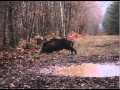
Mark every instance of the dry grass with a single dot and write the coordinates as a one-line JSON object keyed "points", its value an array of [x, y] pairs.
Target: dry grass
{"points": [[100, 45]]}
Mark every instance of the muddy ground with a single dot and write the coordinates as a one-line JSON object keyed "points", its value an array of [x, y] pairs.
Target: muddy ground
{"points": [[23, 69]]}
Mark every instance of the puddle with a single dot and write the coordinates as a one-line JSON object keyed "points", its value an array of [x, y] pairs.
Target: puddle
{"points": [[89, 70]]}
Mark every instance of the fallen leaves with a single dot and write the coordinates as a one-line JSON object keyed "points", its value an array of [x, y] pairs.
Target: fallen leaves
{"points": [[20, 68]]}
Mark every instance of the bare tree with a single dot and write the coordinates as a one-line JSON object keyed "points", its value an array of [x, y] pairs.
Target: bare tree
{"points": [[26, 19]]}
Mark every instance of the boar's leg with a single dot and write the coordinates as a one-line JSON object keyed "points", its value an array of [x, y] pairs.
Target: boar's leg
{"points": [[71, 49]]}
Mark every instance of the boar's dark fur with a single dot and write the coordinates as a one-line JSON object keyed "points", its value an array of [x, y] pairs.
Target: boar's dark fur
{"points": [[57, 45]]}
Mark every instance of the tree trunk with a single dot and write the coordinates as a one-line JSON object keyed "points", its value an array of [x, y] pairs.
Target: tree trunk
{"points": [[10, 26], [62, 18]]}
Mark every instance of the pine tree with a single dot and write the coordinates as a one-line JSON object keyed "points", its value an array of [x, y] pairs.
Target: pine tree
{"points": [[111, 20]]}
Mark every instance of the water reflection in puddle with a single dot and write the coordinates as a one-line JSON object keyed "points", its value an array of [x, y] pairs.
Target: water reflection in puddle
{"points": [[90, 70]]}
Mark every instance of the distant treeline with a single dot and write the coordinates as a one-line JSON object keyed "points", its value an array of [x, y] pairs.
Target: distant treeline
{"points": [[111, 20]]}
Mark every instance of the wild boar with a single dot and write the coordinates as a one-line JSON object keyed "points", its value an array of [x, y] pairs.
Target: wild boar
{"points": [[57, 45]]}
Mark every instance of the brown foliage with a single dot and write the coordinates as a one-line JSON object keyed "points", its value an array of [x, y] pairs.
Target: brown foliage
{"points": [[32, 43], [51, 35], [73, 36], [39, 37]]}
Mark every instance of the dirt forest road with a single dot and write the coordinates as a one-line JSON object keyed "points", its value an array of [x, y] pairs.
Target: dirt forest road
{"points": [[29, 69]]}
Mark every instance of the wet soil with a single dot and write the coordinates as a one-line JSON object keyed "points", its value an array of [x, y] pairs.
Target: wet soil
{"points": [[30, 70], [28, 74]]}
